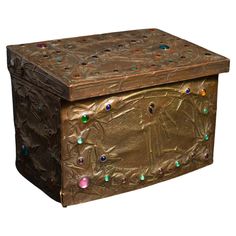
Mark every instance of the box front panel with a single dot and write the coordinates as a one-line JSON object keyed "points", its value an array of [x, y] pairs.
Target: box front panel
{"points": [[119, 143]]}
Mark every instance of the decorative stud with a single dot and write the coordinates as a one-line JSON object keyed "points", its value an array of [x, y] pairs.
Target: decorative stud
{"points": [[177, 164], [123, 180], [206, 137], [84, 182], [24, 151], [187, 90], [134, 68], [108, 107], [80, 140], [103, 158], [206, 156], [59, 59], [85, 118], [80, 161], [202, 92], [107, 178], [160, 171], [205, 111], [41, 45], [142, 177], [164, 46]]}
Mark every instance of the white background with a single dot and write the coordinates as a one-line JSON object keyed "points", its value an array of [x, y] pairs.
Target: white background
{"points": [[200, 203]]}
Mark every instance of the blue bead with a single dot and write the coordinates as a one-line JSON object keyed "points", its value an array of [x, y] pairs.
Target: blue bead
{"points": [[164, 46], [103, 158], [24, 151], [108, 107], [187, 91]]}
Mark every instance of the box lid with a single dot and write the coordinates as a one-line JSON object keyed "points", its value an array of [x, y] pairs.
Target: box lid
{"points": [[90, 66]]}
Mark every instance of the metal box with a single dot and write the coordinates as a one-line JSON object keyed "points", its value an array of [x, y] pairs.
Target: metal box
{"points": [[105, 114]]}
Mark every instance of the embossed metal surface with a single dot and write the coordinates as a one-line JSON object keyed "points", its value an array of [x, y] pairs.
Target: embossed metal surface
{"points": [[38, 148], [90, 66], [157, 133], [104, 114]]}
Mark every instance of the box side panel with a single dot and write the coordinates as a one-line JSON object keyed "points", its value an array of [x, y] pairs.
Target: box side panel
{"points": [[37, 125], [119, 143]]}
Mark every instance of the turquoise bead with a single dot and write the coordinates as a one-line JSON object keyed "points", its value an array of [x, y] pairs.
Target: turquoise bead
{"points": [[142, 177], [24, 151], [106, 178], [164, 46], [80, 140], [177, 164]]}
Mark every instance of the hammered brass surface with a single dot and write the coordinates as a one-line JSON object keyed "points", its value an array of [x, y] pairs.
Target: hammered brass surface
{"points": [[105, 114], [157, 133], [96, 65]]}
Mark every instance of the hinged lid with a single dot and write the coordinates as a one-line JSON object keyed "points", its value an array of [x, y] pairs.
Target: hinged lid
{"points": [[90, 66]]}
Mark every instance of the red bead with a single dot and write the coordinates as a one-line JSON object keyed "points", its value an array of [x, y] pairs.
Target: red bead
{"points": [[41, 45]]}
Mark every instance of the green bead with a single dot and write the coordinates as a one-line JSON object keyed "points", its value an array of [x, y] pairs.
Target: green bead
{"points": [[205, 111], [59, 59], [177, 164], [206, 137], [106, 178], [84, 118], [142, 177], [80, 140], [134, 68]]}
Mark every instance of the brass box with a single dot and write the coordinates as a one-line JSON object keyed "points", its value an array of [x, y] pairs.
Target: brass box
{"points": [[105, 114]]}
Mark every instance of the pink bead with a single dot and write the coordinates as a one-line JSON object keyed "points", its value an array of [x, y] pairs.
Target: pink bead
{"points": [[84, 182]]}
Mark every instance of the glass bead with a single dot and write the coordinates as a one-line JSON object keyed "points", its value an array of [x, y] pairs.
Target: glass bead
{"points": [[187, 91], [59, 59], [103, 158], [202, 92], [205, 111], [80, 161], [177, 164], [106, 178], [142, 177], [84, 182], [41, 45], [84, 118], [134, 68], [80, 140], [108, 107], [164, 46], [24, 151], [206, 137]]}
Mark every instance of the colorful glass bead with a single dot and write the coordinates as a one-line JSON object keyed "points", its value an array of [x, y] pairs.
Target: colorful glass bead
{"points": [[106, 178], [41, 45], [59, 59], [206, 137], [164, 46], [84, 182], [108, 107], [202, 92], [205, 111], [134, 68], [80, 161], [84, 118], [142, 177], [206, 156], [177, 164], [80, 140], [187, 90], [24, 151], [103, 158]]}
